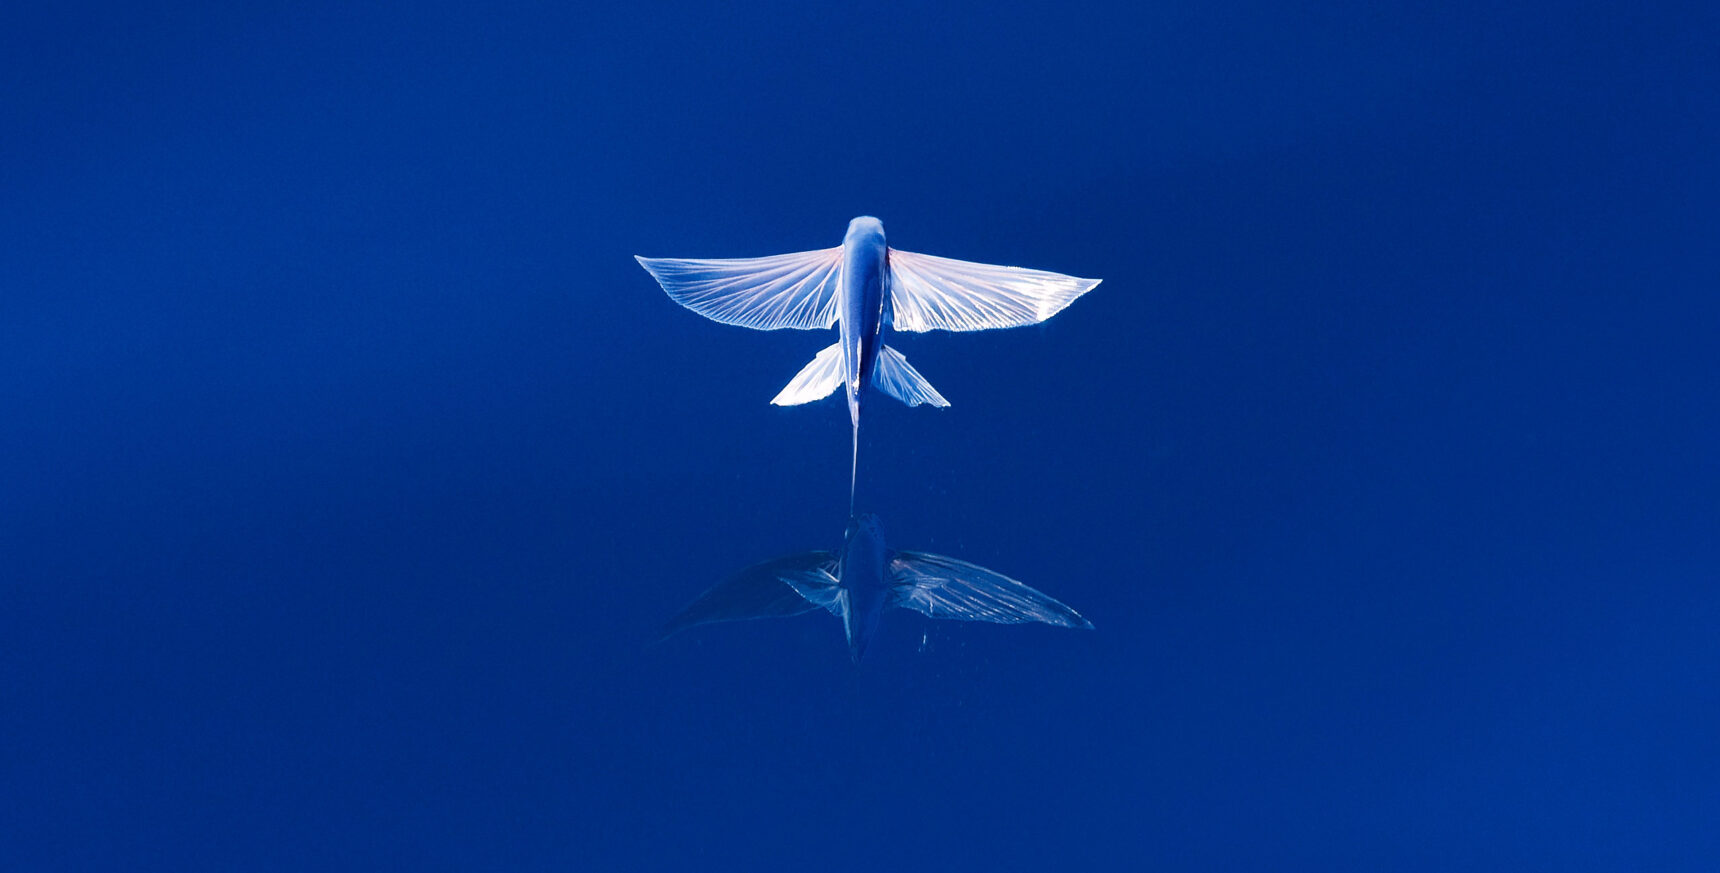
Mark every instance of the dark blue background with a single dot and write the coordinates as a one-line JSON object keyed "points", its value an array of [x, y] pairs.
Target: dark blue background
{"points": [[348, 463]]}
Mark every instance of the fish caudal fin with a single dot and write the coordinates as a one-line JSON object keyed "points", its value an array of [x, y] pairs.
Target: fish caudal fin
{"points": [[815, 381], [900, 380], [768, 590], [941, 587]]}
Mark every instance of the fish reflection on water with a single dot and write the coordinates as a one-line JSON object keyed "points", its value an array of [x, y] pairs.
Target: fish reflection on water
{"points": [[865, 577]]}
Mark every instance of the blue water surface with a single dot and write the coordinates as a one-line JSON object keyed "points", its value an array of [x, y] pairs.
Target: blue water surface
{"points": [[349, 464]]}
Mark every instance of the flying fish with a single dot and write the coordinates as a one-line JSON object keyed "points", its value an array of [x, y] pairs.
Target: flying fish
{"points": [[861, 287]]}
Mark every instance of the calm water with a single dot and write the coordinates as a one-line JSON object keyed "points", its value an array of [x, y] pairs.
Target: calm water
{"points": [[349, 463]]}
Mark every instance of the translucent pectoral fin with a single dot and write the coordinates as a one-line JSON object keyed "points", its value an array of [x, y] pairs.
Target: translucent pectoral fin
{"points": [[942, 587], [815, 381], [933, 293], [767, 590], [822, 591], [898, 379], [796, 290]]}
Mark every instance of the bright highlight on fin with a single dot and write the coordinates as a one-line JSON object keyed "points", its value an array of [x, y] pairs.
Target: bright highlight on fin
{"points": [[896, 378], [782, 291], [932, 293], [927, 292], [815, 381]]}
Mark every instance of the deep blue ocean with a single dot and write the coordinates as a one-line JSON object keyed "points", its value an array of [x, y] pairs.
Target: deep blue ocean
{"points": [[349, 464]]}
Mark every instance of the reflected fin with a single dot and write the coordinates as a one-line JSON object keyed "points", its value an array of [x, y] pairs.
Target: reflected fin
{"points": [[766, 590], [781, 291], [815, 381], [942, 587], [898, 379], [825, 592], [933, 293]]}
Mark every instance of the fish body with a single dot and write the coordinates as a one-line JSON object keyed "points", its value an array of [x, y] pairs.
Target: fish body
{"points": [[861, 285], [863, 568]]}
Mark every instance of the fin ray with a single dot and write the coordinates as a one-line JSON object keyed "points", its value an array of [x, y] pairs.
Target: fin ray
{"points": [[942, 587], [823, 592], [796, 290], [897, 378], [933, 293], [815, 381]]}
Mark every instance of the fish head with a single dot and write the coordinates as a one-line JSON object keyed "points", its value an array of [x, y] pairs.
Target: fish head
{"points": [[864, 229]]}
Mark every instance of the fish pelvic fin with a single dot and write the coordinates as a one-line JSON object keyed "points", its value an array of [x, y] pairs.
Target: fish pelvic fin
{"points": [[897, 378], [815, 381]]}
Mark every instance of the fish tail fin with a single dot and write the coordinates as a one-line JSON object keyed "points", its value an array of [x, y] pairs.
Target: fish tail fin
{"points": [[815, 381], [897, 378]]}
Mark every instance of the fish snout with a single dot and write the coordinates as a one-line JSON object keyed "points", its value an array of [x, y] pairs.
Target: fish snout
{"points": [[864, 227]]}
